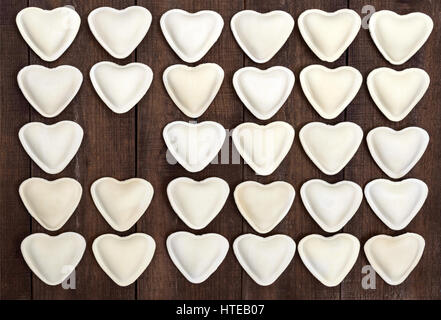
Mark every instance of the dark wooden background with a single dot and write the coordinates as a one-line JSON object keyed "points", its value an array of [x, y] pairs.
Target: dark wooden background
{"points": [[131, 145]]}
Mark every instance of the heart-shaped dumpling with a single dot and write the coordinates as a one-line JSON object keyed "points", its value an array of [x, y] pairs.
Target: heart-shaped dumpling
{"points": [[51, 203], [263, 147], [194, 145], [48, 32], [119, 32], [329, 259], [397, 152], [396, 203], [263, 92], [197, 203], [49, 91], [121, 87], [51, 147], [394, 258], [53, 258], [264, 206], [192, 89], [330, 91], [191, 35], [331, 147], [197, 256], [121, 203], [399, 37], [261, 35], [397, 92], [124, 259], [329, 34], [264, 259], [331, 205]]}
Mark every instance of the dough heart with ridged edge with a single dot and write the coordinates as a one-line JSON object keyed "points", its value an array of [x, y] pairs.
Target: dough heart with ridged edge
{"points": [[194, 145], [53, 258], [48, 32], [193, 89], [394, 258], [263, 92], [396, 93], [121, 87], [263, 147], [119, 32], [397, 152], [329, 259], [399, 37], [124, 259], [264, 206], [331, 205], [51, 147], [197, 203], [191, 35], [330, 91], [121, 203], [331, 147], [261, 35], [51, 203], [197, 256], [396, 203], [264, 259], [48, 90], [329, 34]]}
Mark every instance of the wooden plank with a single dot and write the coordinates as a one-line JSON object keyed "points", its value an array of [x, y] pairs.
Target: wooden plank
{"points": [[15, 280], [424, 282], [162, 280], [108, 149], [296, 282], [131, 144]]}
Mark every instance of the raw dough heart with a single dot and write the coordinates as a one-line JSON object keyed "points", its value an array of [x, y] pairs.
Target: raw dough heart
{"points": [[397, 92], [119, 32], [191, 35], [48, 32], [399, 37], [330, 91], [49, 91], [264, 206], [124, 259], [394, 258], [331, 147], [197, 257], [53, 258], [329, 34], [193, 89], [261, 35], [396, 203], [121, 87], [264, 259], [397, 152], [331, 205], [329, 259], [194, 145], [197, 203], [51, 203], [263, 147], [121, 203], [51, 147], [263, 92]]}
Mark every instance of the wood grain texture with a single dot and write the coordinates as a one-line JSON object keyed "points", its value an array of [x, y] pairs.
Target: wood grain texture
{"points": [[297, 282], [131, 144], [155, 111], [15, 277], [108, 149], [424, 282]]}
